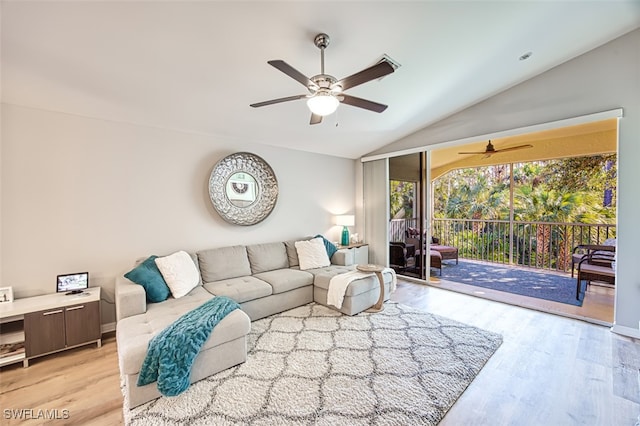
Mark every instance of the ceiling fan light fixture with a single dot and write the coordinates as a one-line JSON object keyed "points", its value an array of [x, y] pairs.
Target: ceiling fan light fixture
{"points": [[323, 103], [325, 91]]}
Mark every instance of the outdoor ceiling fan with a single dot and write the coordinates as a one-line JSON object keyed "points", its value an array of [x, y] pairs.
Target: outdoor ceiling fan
{"points": [[490, 149], [325, 91]]}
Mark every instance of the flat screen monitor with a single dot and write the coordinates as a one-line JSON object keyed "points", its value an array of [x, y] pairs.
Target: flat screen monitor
{"points": [[72, 283]]}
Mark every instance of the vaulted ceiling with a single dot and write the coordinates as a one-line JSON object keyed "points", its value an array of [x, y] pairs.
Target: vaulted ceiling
{"points": [[196, 66]]}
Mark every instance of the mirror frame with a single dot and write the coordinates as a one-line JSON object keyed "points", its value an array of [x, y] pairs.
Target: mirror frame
{"points": [[266, 182]]}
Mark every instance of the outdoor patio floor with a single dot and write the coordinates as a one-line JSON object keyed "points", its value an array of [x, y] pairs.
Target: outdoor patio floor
{"points": [[597, 304]]}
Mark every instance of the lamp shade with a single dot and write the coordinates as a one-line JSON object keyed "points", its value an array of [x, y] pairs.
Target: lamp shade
{"points": [[345, 220], [322, 103]]}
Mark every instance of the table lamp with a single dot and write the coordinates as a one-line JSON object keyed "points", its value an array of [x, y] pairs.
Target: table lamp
{"points": [[345, 220]]}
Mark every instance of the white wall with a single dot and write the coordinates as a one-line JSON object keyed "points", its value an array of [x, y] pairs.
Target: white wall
{"points": [[1, 173], [84, 194], [603, 79]]}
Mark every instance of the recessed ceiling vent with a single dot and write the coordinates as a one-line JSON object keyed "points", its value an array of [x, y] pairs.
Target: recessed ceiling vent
{"points": [[525, 56]]}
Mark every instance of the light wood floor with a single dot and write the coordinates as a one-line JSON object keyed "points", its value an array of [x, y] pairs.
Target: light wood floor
{"points": [[85, 381], [549, 370]]}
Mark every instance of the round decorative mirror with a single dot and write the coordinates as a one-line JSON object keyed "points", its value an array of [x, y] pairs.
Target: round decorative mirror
{"points": [[243, 188]]}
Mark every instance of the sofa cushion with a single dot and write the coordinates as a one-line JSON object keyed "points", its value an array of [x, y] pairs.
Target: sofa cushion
{"points": [[193, 256], [282, 280], [267, 257], [332, 270], [328, 245], [312, 254], [150, 278], [223, 263], [179, 272], [292, 253], [323, 277], [134, 333], [241, 289]]}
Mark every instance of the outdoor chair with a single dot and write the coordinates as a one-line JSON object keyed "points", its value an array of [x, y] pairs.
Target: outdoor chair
{"points": [[581, 251], [435, 260], [597, 266], [412, 236], [447, 252], [402, 256]]}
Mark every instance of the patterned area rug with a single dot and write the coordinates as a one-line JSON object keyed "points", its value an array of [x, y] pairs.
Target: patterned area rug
{"points": [[314, 366]]}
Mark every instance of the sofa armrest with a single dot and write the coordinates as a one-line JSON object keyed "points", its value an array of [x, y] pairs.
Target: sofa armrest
{"points": [[343, 257], [131, 298]]}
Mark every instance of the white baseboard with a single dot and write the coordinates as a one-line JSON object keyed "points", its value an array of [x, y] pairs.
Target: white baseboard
{"points": [[626, 331], [108, 327]]}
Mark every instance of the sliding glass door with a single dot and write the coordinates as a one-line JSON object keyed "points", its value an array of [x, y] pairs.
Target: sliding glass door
{"points": [[408, 215]]}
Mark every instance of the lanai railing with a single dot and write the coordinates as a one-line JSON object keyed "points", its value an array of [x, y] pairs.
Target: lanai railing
{"points": [[543, 245], [398, 227]]}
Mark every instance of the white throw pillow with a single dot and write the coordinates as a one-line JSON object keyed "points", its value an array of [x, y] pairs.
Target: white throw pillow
{"points": [[312, 254], [179, 272]]}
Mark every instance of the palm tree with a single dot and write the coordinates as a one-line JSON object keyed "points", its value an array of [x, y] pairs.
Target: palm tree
{"points": [[552, 242], [563, 191]]}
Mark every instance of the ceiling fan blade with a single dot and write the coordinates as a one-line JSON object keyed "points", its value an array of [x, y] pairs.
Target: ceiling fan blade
{"points": [[292, 72], [315, 119], [362, 103], [376, 71], [489, 152], [277, 101], [513, 148]]}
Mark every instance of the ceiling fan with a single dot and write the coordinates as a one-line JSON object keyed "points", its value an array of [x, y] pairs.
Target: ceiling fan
{"points": [[325, 91], [490, 150]]}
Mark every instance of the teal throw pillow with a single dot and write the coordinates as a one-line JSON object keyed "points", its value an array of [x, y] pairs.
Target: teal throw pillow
{"points": [[148, 276], [328, 245]]}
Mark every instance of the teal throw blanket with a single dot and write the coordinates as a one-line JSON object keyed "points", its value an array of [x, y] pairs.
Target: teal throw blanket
{"points": [[171, 353]]}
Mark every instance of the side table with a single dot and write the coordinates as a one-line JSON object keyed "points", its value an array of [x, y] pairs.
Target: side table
{"points": [[377, 269], [41, 325], [357, 253]]}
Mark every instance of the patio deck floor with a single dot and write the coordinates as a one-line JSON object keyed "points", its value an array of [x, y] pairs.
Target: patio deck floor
{"points": [[597, 304]]}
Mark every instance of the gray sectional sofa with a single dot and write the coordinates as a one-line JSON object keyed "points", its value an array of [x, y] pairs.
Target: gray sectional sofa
{"points": [[263, 278]]}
